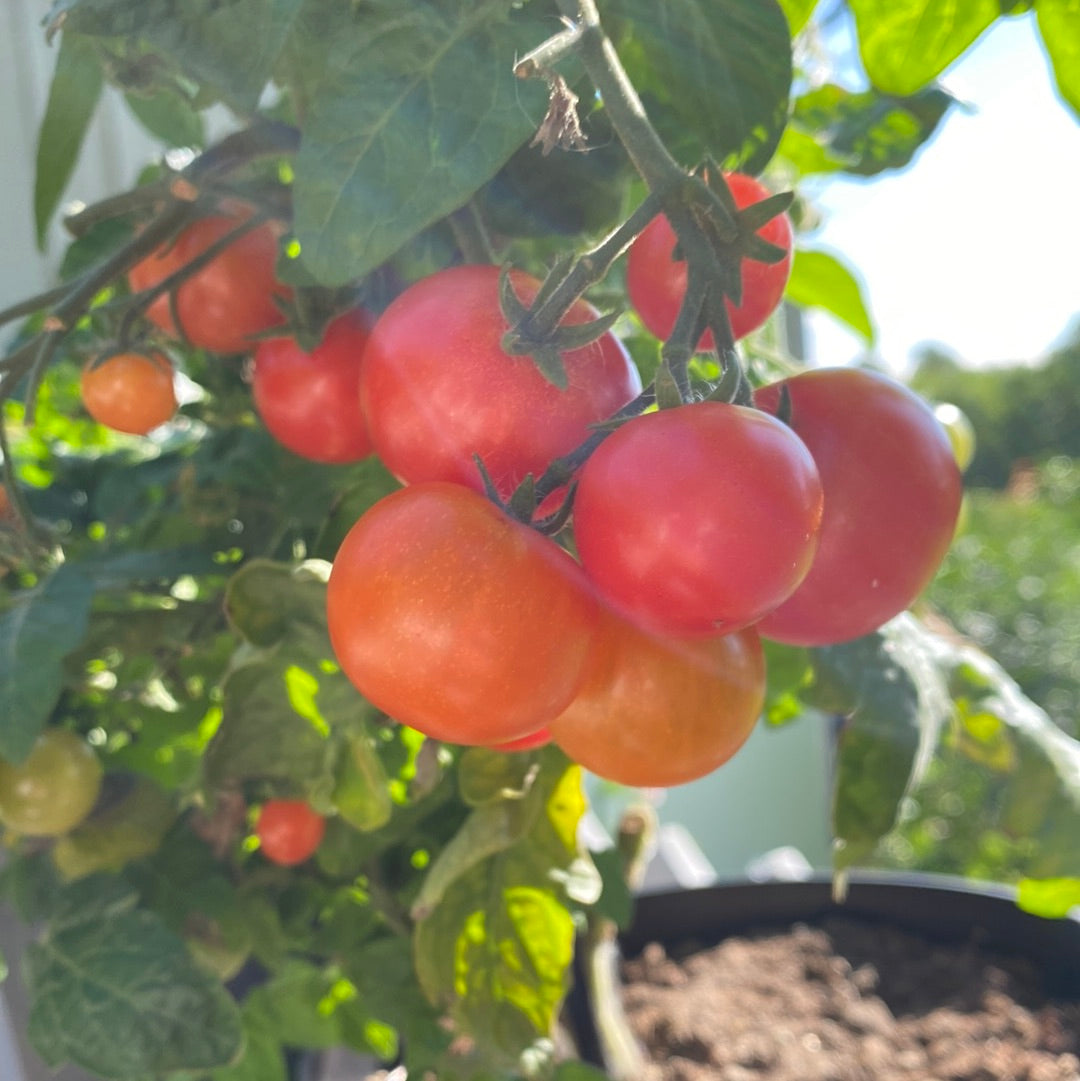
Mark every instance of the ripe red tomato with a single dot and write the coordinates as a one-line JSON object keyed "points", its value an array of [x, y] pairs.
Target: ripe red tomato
{"points": [[54, 789], [658, 711], [698, 519], [289, 831], [539, 738], [892, 496], [656, 283], [130, 392], [310, 401], [455, 619], [231, 298], [437, 389]]}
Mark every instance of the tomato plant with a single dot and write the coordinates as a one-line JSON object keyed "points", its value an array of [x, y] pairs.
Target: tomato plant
{"points": [[699, 518], [456, 620], [310, 401], [656, 280], [437, 389], [54, 789], [223, 304], [892, 495], [289, 831], [130, 392], [660, 710], [230, 623]]}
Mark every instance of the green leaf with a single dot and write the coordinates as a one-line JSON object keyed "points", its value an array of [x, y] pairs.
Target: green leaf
{"points": [[410, 112], [264, 1058], [361, 788], [798, 13], [905, 44], [123, 998], [126, 830], [265, 600], [1059, 27], [1051, 898], [232, 47], [36, 633], [714, 75], [168, 117], [790, 674], [863, 133], [496, 940], [894, 700], [268, 730], [73, 97], [820, 280]]}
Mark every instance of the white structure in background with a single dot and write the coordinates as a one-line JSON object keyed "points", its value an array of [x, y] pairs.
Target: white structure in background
{"points": [[772, 794]]}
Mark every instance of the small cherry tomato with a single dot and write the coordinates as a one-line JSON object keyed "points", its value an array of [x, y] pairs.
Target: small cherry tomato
{"points": [[54, 789], [698, 519], [130, 392], [892, 496], [437, 389], [656, 711], [456, 620], [289, 831], [310, 402], [223, 304], [656, 282]]}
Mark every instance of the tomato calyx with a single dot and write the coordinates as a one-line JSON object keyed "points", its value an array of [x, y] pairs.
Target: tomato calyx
{"points": [[545, 346]]}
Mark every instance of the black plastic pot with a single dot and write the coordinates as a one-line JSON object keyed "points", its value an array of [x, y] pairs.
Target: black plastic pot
{"points": [[937, 907], [947, 909]]}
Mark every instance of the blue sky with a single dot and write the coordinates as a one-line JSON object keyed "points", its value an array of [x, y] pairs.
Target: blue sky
{"points": [[975, 245]]}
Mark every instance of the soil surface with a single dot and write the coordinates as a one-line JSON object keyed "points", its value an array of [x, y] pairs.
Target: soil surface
{"points": [[847, 1001]]}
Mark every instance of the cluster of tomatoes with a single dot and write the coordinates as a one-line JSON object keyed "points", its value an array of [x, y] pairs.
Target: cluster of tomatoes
{"points": [[810, 518]]}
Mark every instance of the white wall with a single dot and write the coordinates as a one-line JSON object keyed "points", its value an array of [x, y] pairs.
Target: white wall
{"points": [[114, 152]]}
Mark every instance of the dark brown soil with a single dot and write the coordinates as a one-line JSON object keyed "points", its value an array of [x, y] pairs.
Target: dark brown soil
{"points": [[847, 1001]]}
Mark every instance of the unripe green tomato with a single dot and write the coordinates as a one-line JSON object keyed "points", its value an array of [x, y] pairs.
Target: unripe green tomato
{"points": [[959, 430], [54, 789]]}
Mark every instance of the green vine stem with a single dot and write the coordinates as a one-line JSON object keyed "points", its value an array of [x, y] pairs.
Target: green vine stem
{"points": [[619, 1048]]}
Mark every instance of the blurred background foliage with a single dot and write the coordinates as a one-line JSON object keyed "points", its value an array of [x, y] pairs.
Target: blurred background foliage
{"points": [[1011, 584]]}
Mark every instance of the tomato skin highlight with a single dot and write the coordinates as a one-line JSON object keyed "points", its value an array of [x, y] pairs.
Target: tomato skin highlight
{"points": [[456, 620], [437, 389], [227, 301], [54, 789], [698, 519], [130, 392], [656, 283], [289, 831], [540, 738], [656, 711], [892, 497], [310, 402]]}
